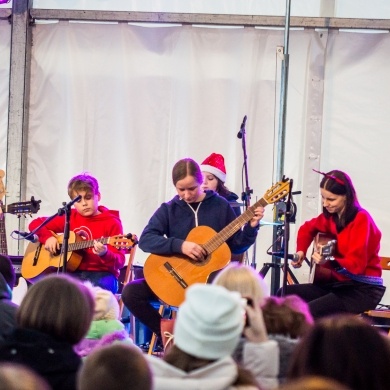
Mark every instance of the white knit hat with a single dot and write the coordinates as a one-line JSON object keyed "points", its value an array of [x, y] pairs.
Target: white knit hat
{"points": [[106, 305], [209, 322]]}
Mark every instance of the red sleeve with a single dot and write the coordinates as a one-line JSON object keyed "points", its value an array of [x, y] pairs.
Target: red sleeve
{"points": [[358, 246]]}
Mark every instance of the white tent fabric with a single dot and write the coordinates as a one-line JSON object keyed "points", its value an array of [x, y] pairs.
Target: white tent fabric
{"points": [[342, 8], [5, 42], [125, 102]]}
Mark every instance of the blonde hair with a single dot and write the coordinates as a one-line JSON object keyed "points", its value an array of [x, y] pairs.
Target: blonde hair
{"points": [[245, 280]]}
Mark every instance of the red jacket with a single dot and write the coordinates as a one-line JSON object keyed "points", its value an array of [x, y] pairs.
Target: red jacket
{"points": [[357, 245], [105, 224]]}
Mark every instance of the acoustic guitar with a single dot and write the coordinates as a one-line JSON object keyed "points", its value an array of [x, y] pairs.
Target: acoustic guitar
{"points": [[169, 276], [325, 245], [38, 261]]}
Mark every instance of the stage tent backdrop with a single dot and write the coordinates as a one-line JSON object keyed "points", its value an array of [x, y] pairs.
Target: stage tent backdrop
{"points": [[125, 102]]}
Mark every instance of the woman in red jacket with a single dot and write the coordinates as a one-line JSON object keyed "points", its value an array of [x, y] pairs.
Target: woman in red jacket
{"points": [[348, 280]]}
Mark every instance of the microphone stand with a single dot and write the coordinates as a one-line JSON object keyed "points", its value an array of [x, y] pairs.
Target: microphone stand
{"points": [[65, 242], [246, 195], [286, 238]]}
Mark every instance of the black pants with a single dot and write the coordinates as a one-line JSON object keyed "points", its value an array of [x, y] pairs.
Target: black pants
{"points": [[338, 297], [137, 297]]}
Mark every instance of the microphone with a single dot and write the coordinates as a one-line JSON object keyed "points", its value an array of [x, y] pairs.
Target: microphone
{"points": [[242, 128], [27, 236], [294, 257]]}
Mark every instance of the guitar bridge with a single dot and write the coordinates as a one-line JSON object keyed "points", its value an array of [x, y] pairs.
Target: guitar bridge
{"points": [[175, 275]]}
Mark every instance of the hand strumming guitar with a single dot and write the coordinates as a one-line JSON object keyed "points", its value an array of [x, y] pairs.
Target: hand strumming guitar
{"points": [[52, 245], [193, 250]]}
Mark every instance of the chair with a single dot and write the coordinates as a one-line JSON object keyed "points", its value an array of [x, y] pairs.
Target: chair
{"points": [[167, 313], [381, 315], [126, 278]]}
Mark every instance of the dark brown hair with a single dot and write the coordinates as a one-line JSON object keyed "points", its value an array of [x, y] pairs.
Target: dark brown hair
{"points": [[186, 167], [289, 316], [329, 183], [116, 366], [346, 349], [58, 305]]}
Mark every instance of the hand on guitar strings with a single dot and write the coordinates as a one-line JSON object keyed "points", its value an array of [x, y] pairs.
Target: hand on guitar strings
{"points": [[259, 214], [99, 248], [52, 245], [193, 250]]}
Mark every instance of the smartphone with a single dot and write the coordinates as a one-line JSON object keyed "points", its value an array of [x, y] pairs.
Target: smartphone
{"points": [[249, 302]]}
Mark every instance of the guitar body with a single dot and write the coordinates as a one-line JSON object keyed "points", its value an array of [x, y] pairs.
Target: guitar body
{"points": [[38, 261], [324, 244], [169, 276]]}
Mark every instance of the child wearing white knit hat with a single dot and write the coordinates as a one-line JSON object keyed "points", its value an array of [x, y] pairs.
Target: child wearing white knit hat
{"points": [[207, 329]]}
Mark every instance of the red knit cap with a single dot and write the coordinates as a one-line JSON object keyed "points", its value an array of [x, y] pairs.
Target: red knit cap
{"points": [[215, 164]]}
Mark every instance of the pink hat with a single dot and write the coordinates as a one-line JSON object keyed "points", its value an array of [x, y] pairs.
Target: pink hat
{"points": [[215, 164]]}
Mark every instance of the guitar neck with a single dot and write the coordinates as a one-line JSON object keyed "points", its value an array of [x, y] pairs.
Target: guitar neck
{"points": [[233, 227], [3, 236], [86, 244]]}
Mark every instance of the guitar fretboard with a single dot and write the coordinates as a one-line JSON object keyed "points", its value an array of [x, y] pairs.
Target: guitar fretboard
{"points": [[86, 244], [3, 236], [221, 237]]}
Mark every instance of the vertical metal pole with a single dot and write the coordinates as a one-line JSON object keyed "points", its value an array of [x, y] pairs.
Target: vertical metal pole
{"points": [[275, 275]]}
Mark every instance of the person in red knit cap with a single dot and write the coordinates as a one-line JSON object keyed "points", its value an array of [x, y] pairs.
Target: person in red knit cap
{"points": [[350, 279], [101, 263], [214, 177]]}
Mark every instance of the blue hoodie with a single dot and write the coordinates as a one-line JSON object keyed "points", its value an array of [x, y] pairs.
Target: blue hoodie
{"points": [[173, 220]]}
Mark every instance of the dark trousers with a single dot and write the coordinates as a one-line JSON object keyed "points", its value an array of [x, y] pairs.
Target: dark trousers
{"points": [[338, 297], [105, 280], [137, 296]]}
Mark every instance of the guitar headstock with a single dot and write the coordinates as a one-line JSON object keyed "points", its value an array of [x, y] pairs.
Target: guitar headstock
{"points": [[123, 242], [2, 188], [277, 191], [23, 208]]}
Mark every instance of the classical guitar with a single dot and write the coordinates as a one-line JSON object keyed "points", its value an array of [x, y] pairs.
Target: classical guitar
{"points": [[325, 245], [169, 276], [38, 261]]}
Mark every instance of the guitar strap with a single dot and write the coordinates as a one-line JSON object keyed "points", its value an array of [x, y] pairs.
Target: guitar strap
{"points": [[374, 280]]}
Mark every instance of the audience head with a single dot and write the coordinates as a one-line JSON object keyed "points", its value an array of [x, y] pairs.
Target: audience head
{"points": [[243, 279], [18, 377], [346, 349], [115, 367], [58, 305], [7, 270], [209, 322], [106, 304], [289, 315]]}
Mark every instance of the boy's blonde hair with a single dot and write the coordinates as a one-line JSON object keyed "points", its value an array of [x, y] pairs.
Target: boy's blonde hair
{"points": [[83, 182]]}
